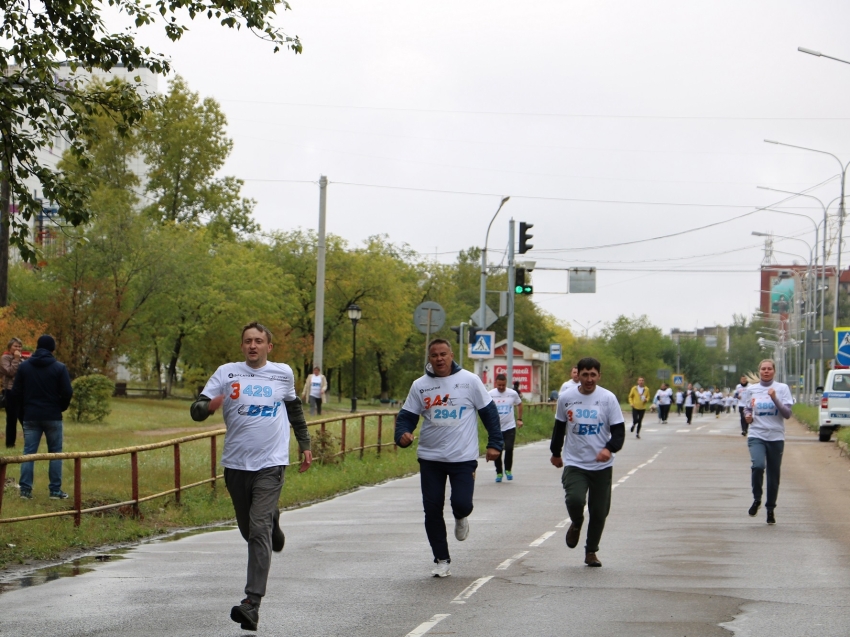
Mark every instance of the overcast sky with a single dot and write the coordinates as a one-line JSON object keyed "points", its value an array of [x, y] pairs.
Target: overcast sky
{"points": [[605, 122]]}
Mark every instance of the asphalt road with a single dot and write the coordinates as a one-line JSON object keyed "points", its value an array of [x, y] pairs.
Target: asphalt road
{"points": [[680, 556]]}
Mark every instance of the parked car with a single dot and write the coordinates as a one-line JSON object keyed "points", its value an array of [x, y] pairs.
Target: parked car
{"points": [[834, 411]]}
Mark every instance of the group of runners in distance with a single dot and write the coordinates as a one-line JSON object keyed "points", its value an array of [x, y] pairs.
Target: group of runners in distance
{"points": [[259, 404]]}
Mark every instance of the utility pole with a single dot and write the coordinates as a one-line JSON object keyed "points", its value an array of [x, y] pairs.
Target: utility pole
{"points": [[5, 223], [319, 319], [511, 295]]}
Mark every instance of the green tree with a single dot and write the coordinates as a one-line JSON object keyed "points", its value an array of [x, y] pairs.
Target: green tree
{"points": [[637, 345], [36, 109], [185, 144]]}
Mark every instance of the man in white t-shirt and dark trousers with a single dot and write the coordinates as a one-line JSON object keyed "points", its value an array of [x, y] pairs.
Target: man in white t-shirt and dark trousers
{"points": [[595, 430], [680, 401], [572, 382], [665, 397], [314, 390], [260, 403], [739, 395], [766, 407], [505, 400], [450, 399], [691, 398]]}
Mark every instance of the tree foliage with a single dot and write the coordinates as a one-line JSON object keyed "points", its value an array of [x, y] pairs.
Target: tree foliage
{"points": [[40, 105]]}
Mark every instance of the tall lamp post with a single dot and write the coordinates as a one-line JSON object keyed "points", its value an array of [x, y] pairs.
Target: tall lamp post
{"points": [[354, 314], [482, 304], [840, 216]]}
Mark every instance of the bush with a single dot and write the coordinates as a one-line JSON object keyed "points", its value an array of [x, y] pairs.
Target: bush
{"points": [[91, 398]]}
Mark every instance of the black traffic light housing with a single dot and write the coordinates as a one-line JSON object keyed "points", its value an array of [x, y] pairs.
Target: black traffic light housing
{"points": [[520, 285], [524, 245], [471, 331]]}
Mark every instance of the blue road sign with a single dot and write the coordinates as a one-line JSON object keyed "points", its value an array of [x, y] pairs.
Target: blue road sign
{"points": [[678, 380], [483, 346], [842, 345], [554, 352]]}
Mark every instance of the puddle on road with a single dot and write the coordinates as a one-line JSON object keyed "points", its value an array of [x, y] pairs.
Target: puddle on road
{"points": [[83, 565]]}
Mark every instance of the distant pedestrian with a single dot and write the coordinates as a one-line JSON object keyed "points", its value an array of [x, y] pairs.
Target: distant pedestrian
{"points": [[739, 394], [9, 363], [717, 402], [315, 389], [680, 401], [638, 399], [766, 407], [505, 400], [690, 401], [704, 401], [572, 382], [42, 390], [451, 400], [260, 403], [665, 398], [590, 418]]}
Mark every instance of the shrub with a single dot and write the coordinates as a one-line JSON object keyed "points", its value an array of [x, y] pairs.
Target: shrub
{"points": [[91, 398], [325, 447]]}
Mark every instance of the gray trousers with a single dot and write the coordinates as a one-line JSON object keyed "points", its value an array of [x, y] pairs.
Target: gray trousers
{"points": [[255, 495]]}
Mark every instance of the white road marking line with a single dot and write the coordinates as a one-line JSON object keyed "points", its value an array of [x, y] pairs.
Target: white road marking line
{"points": [[470, 590], [562, 524], [542, 538], [715, 431], [424, 627], [680, 431], [504, 565], [623, 479], [650, 429], [633, 471], [700, 427]]}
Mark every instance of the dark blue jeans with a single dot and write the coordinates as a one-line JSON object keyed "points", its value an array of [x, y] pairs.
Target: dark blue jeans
{"points": [[52, 430], [433, 475], [766, 455]]}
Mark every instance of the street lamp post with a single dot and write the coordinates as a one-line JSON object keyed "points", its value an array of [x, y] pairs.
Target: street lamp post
{"points": [[803, 49], [840, 215], [482, 305], [354, 314]]}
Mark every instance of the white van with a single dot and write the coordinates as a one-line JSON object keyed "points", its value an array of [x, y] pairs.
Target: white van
{"points": [[834, 410]]}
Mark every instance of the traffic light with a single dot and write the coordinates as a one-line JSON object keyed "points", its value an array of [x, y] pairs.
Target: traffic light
{"points": [[471, 332], [457, 329], [520, 285], [524, 245]]}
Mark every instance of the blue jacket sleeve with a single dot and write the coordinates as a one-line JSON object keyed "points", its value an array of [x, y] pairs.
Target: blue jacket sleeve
{"points": [[405, 422], [490, 417], [66, 392]]}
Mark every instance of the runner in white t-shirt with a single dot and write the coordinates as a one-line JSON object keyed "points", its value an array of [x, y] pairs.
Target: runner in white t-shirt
{"points": [[665, 398], [505, 400], [766, 407], [450, 399], [739, 394], [590, 418], [680, 401], [572, 382], [260, 404]]}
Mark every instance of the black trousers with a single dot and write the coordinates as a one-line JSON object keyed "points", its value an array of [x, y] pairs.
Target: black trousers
{"points": [[637, 419], [744, 426], [510, 439], [689, 413], [11, 419], [433, 475], [679, 408], [664, 411]]}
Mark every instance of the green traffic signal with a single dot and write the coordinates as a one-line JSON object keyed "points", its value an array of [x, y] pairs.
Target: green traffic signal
{"points": [[524, 289]]}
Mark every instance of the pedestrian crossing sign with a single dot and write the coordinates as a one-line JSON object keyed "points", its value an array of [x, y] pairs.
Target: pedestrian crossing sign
{"points": [[483, 345], [842, 345], [678, 380]]}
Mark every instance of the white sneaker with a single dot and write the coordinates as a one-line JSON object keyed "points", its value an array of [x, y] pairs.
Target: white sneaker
{"points": [[441, 569], [461, 528]]}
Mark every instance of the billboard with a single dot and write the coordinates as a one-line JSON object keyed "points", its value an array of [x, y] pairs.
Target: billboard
{"points": [[781, 295], [522, 373]]}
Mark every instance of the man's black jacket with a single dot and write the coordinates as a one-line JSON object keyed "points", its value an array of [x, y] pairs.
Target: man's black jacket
{"points": [[42, 387]]}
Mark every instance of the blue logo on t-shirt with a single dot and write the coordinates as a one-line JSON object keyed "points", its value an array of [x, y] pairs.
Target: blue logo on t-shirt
{"points": [[264, 411]]}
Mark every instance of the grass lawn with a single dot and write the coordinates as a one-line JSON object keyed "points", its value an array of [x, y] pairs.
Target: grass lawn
{"points": [[140, 421]]}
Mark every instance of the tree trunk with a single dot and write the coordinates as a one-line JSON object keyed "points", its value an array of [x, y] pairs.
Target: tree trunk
{"points": [[384, 373], [157, 366], [172, 365]]}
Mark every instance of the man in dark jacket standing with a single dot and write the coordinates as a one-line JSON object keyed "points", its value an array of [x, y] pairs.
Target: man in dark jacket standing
{"points": [[43, 391]]}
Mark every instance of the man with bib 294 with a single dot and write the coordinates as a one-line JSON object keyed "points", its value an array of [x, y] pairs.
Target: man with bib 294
{"points": [[450, 399], [260, 403], [595, 430]]}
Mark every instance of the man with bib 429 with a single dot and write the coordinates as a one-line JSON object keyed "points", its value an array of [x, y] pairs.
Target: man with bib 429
{"points": [[595, 430], [260, 403], [766, 406], [450, 399]]}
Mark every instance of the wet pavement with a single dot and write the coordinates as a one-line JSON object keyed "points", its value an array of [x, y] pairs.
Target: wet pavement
{"points": [[680, 554]]}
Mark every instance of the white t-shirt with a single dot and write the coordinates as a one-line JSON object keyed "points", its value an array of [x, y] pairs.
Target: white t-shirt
{"points": [[254, 414], [768, 424], [505, 402], [705, 397], [567, 385], [739, 393], [589, 419], [689, 402], [717, 398], [449, 406], [316, 386], [664, 396], [680, 396]]}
